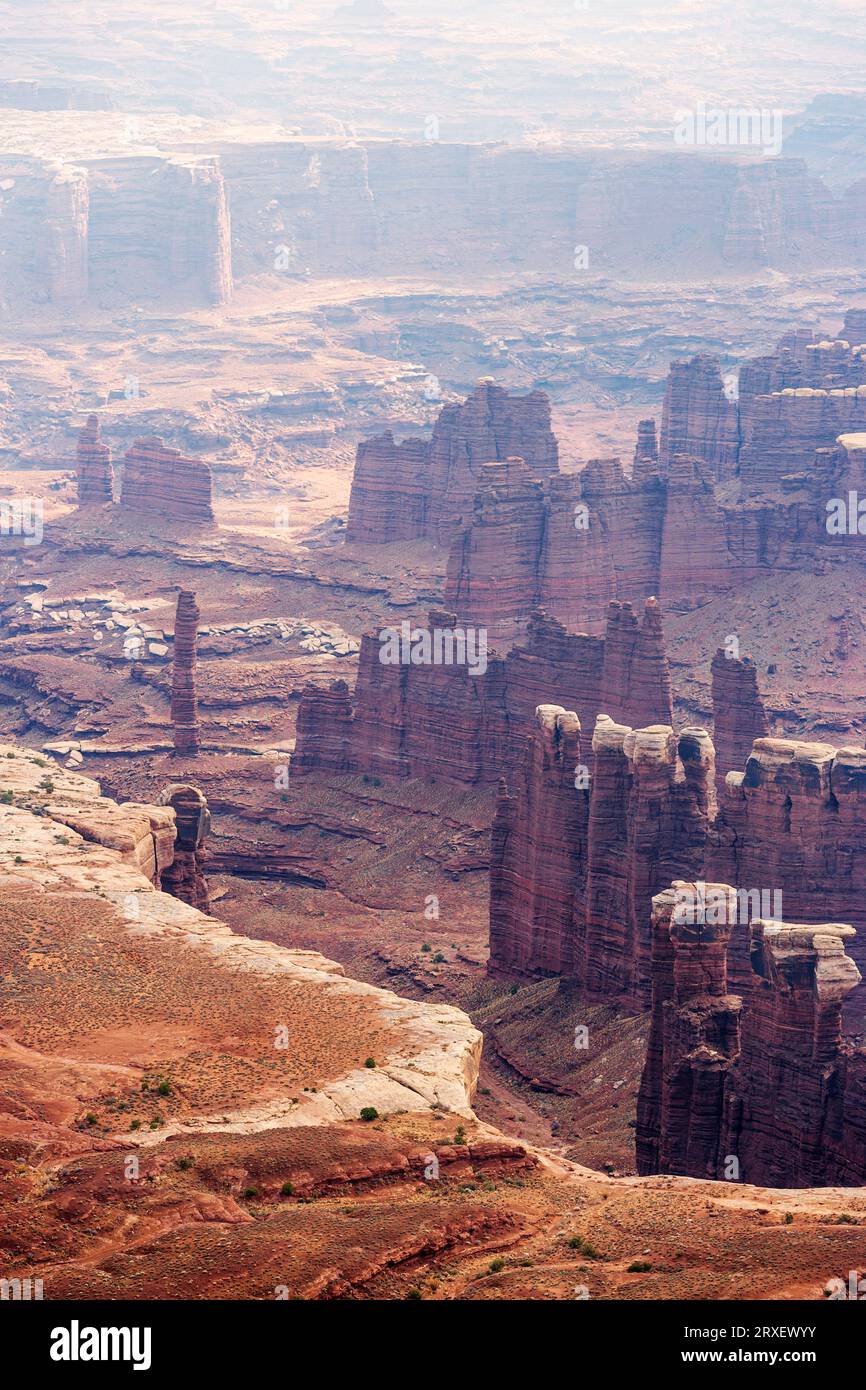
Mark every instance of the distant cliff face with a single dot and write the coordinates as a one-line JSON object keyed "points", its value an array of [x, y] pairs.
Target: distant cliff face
{"points": [[180, 219]]}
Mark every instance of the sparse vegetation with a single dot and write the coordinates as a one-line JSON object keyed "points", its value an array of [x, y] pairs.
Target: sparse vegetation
{"points": [[639, 1267], [369, 1112], [585, 1247], [287, 1190]]}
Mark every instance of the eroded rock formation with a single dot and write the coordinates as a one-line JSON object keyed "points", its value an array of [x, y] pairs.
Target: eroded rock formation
{"points": [[66, 228], [646, 452], [184, 877], [415, 488], [698, 419], [584, 840], [739, 489], [444, 721], [795, 821], [158, 479], [762, 1090], [93, 461], [186, 733], [571, 546], [571, 890], [739, 717]]}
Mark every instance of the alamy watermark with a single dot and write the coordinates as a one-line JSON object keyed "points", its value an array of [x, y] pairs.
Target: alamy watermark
{"points": [[439, 646], [22, 518], [715, 905], [846, 516], [731, 127]]}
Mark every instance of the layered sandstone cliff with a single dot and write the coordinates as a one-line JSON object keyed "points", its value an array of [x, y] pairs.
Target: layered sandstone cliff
{"points": [[571, 891], [93, 466], [186, 733], [571, 546], [418, 488], [760, 1090], [793, 822], [66, 229], [739, 717], [736, 490], [451, 721], [698, 419], [584, 838], [159, 479]]}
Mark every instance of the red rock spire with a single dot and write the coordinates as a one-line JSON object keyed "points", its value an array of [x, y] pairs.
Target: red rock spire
{"points": [[738, 713], [94, 465], [184, 708]]}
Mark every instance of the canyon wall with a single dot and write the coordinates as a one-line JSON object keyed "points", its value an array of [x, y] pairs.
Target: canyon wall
{"points": [[337, 207], [582, 842], [423, 720], [116, 227], [761, 1090]]}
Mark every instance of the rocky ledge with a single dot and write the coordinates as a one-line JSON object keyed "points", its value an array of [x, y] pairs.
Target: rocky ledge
{"points": [[79, 883]]}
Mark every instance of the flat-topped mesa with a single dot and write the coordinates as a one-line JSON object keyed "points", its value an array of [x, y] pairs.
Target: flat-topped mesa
{"points": [[158, 479], [794, 824], [186, 733], [789, 426], [184, 877], [763, 1092], [739, 717], [426, 489], [646, 453], [93, 464], [323, 739], [467, 719], [698, 419]]}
